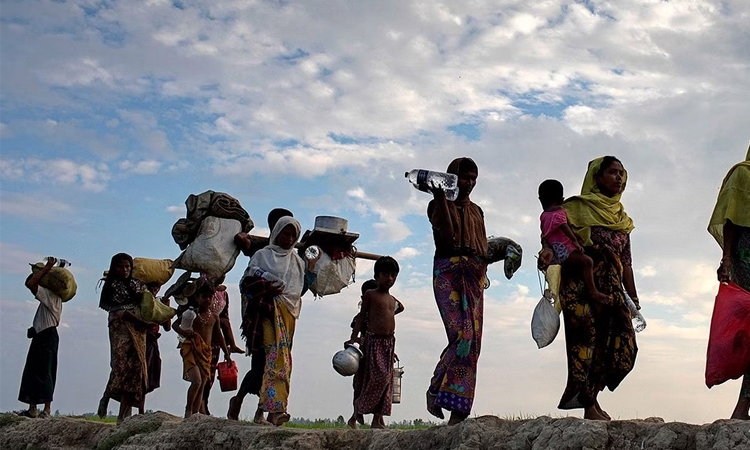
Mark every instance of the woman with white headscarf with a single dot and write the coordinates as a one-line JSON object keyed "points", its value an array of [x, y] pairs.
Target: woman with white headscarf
{"points": [[276, 278]]}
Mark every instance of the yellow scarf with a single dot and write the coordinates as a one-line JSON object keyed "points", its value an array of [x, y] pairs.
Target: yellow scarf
{"points": [[594, 209], [733, 202]]}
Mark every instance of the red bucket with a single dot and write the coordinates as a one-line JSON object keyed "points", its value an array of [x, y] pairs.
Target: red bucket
{"points": [[227, 376]]}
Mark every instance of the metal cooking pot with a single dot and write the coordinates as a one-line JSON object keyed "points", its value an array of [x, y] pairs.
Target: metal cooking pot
{"points": [[346, 361]]}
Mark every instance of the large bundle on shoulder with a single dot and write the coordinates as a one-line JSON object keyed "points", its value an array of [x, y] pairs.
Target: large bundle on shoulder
{"points": [[58, 280], [336, 267], [207, 233], [152, 270]]}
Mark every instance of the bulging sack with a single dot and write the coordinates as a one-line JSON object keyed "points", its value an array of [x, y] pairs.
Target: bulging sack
{"points": [[333, 276], [152, 310], [58, 280], [152, 270], [213, 251], [728, 354], [545, 323]]}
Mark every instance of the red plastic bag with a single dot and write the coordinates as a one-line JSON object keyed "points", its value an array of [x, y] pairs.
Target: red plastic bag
{"points": [[728, 355], [227, 376]]}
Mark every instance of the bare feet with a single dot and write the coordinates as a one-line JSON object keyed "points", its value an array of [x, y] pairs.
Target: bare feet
{"points": [[235, 405], [601, 411], [592, 413], [278, 419], [235, 349], [432, 408], [377, 422], [352, 422], [188, 413], [361, 419], [457, 417]]}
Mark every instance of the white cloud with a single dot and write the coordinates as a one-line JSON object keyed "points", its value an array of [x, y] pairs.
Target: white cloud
{"points": [[34, 207], [15, 259], [58, 171], [147, 167], [406, 253], [647, 271]]}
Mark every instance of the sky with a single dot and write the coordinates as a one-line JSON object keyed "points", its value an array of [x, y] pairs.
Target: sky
{"points": [[113, 112]]}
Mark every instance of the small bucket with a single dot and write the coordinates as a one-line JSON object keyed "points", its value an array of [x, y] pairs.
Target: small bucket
{"points": [[398, 372], [227, 376]]}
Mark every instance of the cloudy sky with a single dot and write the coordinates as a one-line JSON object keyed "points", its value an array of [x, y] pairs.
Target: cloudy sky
{"points": [[113, 112]]}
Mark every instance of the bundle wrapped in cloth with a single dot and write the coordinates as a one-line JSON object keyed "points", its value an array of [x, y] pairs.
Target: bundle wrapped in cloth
{"points": [[213, 251], [209, 203], [333, 246], [152, 270], [58, 280], [152, 310]]}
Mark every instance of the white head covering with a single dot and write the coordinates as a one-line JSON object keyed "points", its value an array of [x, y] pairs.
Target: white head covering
{"points": [[285, 265]]}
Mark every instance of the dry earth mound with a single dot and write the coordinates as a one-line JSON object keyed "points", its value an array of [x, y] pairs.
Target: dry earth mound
{"points": [[162, 431]]}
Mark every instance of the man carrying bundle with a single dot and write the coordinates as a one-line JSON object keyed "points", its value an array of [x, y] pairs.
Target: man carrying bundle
{"points": [[40, 371]]}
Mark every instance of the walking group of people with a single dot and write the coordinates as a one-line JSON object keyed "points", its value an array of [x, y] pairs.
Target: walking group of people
{"points": [[588, 234]]}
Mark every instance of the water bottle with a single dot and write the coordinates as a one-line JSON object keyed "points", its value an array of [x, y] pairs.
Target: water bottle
{"points": [[423, 179], [187, 319], [639, 323], [60, 262]]}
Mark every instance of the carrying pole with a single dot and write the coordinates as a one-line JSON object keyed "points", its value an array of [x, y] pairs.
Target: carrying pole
{"points": [[357, 254]]}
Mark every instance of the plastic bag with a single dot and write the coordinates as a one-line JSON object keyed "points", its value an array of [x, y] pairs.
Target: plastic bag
{"points": [[545, 323], [213, 251], [502, 248], [552, 275], [333, 276], [152, 310], [58, 280], [728, 354]]}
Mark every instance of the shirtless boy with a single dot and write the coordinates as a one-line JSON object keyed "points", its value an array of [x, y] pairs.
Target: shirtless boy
{"points": [[375, 373], [196, 348]]}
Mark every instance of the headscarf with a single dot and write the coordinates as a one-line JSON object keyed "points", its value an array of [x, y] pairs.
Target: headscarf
{"points": [[285, 265], [472, 226], [120, 293], [733, 202], [594, 209]]}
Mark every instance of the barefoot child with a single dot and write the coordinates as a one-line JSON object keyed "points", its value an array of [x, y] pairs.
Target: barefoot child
{"points": [[196, 348], [379, 309], [559, 236]]}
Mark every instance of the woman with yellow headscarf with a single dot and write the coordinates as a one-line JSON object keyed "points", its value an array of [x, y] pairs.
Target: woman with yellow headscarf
{"points": [[730, 226], [599, 336]]}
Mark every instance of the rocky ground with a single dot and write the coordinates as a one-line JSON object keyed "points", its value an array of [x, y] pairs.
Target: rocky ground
{"points": [[162, 431]]}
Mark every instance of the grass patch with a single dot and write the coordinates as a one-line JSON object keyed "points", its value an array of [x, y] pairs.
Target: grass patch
{"points": [[7, 419]]}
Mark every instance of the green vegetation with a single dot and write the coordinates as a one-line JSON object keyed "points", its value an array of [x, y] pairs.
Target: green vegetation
{"points": [[9, 419]]}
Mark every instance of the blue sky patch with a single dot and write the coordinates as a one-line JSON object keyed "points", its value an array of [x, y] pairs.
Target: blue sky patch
{"points": [[470, 131]]}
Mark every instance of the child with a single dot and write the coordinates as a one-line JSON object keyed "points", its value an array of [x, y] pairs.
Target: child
{"points": [[562, 241], [40, 371], [357, 385], [374, 394], [220, 307], [196, 349]]}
